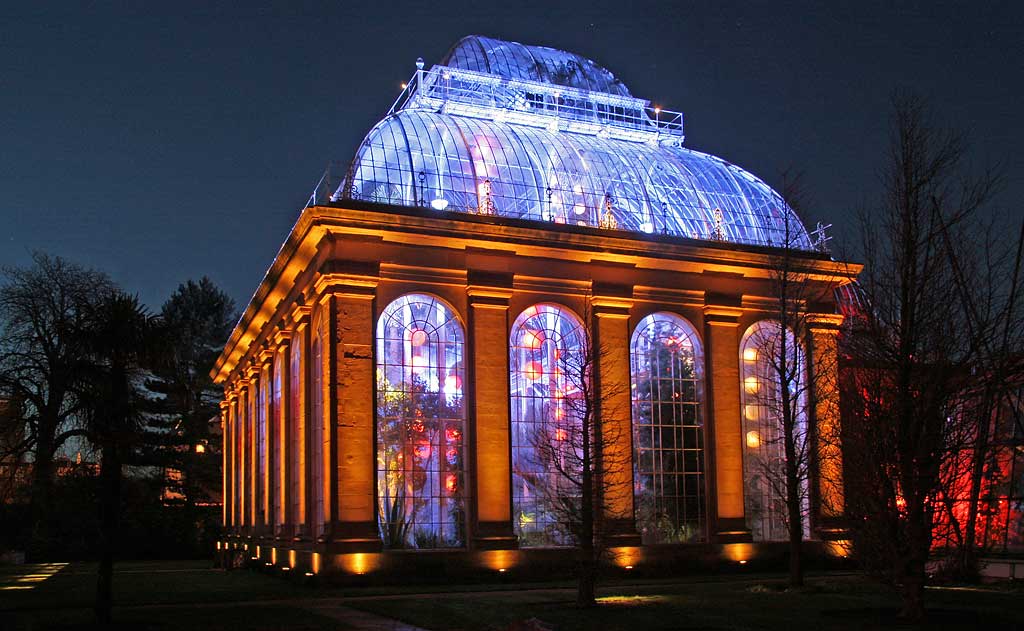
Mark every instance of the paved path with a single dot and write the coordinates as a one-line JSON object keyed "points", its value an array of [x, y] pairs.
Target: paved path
{"points": [[360, 620]]}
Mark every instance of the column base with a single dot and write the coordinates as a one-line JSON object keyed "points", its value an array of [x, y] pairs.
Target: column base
{"points": [[832, 528], [732, 530], [347, 537], [495, 535], [620, 533]]}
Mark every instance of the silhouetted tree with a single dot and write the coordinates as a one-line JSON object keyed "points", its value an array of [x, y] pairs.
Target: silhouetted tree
{"points": [[916, 343], [43, 310], [120, 335], [196, 320]]}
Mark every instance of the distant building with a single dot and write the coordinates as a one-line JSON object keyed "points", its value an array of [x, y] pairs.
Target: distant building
{"points": [[387, 385]]}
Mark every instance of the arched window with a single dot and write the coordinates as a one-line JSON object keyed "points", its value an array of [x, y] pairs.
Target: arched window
{"points": [[280, 427], [421, 425], [773, 388], [668, 430], [262, 466], [547, 347], [317, 433]]}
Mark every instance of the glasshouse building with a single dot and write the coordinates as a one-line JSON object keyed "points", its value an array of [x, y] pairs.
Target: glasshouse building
{"points": [[523, 285]]}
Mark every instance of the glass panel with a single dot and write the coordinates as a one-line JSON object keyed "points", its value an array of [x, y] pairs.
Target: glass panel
{"points": [[421, 474], [667, 382], [547, 341], [770, 357]]}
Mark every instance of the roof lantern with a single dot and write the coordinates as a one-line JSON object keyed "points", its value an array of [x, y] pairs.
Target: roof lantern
{"points": [[541, 134]]}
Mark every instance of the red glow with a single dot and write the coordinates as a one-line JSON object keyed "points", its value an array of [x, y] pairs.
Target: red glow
{"points": [[418, 337], [451, 482], [453, 434], [534, 371], [417, 427], [422, 450], [532, 339], [561, 434]]}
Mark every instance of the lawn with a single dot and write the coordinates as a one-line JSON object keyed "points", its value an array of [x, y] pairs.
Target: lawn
{"points": [[827, 603], [162, 596]]}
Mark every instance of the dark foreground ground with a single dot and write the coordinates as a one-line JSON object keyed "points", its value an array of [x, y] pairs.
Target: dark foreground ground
{"points": [[191, 595]]}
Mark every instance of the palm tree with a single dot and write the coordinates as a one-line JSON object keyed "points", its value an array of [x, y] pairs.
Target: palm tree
{"points": [[120, 334]]}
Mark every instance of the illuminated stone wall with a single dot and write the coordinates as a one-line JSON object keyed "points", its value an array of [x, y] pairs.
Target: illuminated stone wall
{"points": [[343, 265]]}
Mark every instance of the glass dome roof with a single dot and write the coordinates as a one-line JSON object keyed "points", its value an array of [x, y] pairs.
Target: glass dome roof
{"points": [[539, 134]]}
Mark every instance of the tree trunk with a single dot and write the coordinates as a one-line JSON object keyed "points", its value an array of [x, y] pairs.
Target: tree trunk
{"points": [[40, 544], [110, 497], [586, 579], [912, 597]]}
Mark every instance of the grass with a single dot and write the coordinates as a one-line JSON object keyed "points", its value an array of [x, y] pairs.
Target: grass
{"points": [[191, 595], [845, 604]]}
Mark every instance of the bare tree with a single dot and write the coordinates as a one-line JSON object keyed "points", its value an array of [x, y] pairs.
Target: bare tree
{"points": [[917, 341], [782, 443], [571, 471], [43, 310]]}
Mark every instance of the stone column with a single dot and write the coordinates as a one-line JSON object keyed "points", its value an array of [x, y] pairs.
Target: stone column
{"points": [[299, 448], [827, 476], [721, 335], [611, 305], [265, 517], [242, 427], [350, 291], [251, 453], [282, 432], [226, 467], [490, 451]]}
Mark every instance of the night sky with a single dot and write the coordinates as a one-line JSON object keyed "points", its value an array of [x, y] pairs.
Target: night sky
{"points": [[161, 144]]}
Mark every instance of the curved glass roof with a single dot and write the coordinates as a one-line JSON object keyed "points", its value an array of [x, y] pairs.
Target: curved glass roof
{"points": [[494, 135], [537, 63]]}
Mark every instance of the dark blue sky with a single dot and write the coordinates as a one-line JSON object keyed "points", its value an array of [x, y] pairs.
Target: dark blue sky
{"points": [[161, 144]]}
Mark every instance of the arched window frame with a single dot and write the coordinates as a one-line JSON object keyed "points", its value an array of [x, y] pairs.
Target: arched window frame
{"points": [[545, 342], [421, 424], [318, 433], [669, 468], [764, 459]]}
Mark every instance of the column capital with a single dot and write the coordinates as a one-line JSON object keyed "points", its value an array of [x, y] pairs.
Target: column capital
{"points": [[252, 374], [283, 337], [266, 356], [348, 278], [721, 315], [489, 289], [611, 299], [722, 309], [821, 322], [225, 405], [300, 314]]}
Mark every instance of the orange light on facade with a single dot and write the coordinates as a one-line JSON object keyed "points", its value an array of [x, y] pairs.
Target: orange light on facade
{"points": [[626, 557], [753, 439], [499, 560], [738, 552], [359, 563]]}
